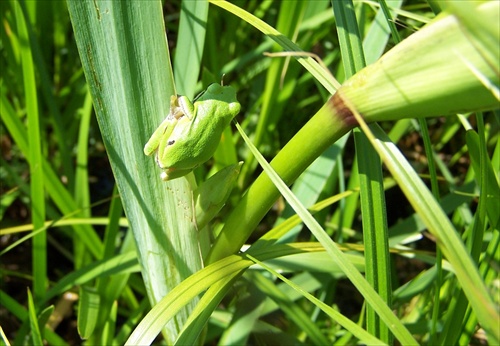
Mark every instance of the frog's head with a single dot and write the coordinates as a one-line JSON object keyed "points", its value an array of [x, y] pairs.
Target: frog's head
{"points": [[222, 98]]}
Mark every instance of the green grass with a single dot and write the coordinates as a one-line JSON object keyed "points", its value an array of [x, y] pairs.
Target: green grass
{"points": [[387, 232]]}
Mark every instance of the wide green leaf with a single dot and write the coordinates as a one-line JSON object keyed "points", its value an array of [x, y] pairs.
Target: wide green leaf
{"points": [[126, 63]]}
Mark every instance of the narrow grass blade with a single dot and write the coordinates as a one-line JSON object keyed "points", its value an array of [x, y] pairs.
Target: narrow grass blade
{"points": [[485, 176], [88, 310], [223, 270], [36, 336], [39, 249], [204, 309], [372, 197], [439, 225], [110, 325], [316, 70], [294, 312], [397, 328], [356, 330]]}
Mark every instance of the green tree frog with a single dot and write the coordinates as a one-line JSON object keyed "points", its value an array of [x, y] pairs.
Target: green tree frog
{"points": [[191, 132]]}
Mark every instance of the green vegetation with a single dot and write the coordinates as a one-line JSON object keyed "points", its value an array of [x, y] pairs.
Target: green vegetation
{"points": [[377, 220]]}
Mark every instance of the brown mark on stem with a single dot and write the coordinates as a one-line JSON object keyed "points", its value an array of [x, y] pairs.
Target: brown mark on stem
{"points": [[341, 107]]}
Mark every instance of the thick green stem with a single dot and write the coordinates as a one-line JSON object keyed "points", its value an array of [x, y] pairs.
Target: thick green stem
{"points": [[324, 128]]}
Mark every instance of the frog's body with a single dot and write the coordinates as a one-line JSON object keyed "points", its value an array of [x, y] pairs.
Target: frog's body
{"points": [[190, 133]]}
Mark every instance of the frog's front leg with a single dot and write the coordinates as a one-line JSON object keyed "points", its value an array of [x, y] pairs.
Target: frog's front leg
{"points": [[167, 126], [164, 156], [163, 131], [187, 107], [176, 133]]}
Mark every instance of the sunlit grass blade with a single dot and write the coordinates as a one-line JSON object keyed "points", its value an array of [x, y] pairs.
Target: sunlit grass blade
{"points": [[356, 330], [288, 22], [286, 226], [313, 67], [223, 270], [486, 177], [37, 192], [397, 328], [439, 225], [110, 325], [371, 180], [88, 310], [290, 308], [22, 314], [46, 85], [82, 192], [35, 336], [204, 309], [181, 295]]}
